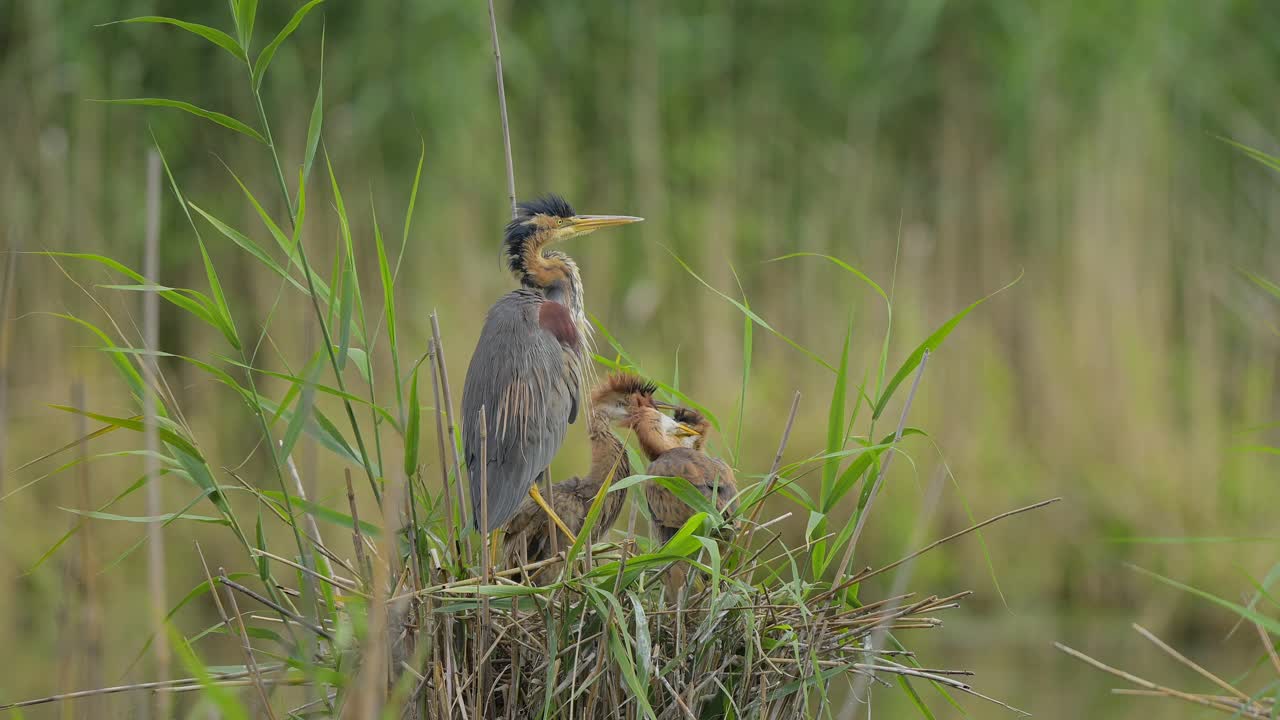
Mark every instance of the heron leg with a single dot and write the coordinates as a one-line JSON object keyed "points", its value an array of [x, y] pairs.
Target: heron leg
{"points": [[542, 503], [493, 548]]}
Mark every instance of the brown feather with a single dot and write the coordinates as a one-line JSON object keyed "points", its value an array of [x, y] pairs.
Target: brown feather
{"points": [[556, 319], [622, 383], [542, 270], [710, 476], [648, 424]]}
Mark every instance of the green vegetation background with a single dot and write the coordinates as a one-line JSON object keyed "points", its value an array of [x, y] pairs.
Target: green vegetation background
{"points": [[962, 143]]}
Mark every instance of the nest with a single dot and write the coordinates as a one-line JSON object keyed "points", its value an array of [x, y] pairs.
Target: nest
{"points": [[610, 643]]}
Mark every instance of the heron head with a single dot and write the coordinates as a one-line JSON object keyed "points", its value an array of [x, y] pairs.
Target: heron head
{"points": [[622, 395], [540, 223], [692, 427]]}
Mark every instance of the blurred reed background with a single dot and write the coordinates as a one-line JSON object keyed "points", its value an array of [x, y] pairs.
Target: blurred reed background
{"points": [[962, 142]]}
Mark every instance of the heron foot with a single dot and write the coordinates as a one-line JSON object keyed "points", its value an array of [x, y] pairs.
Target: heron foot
{"points": [[542, 503]]}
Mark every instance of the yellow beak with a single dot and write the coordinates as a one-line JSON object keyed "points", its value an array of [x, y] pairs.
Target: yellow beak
{"points": [[683, 430], [663, 405], [583, 224]]}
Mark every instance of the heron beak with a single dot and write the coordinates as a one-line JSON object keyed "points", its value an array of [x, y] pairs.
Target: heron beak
{"points": [[663, 405], [683, 430], [583, 224]]}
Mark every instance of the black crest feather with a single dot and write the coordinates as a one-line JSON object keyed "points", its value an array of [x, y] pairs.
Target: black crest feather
{"points": [[549, 204], [688, 416], [628, 383], [519, 230]]}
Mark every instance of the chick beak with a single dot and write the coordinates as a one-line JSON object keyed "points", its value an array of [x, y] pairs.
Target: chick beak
{"points": [[683, 430]]}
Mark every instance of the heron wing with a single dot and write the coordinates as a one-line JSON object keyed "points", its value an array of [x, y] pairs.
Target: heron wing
{"points": [[726, 486], [705, 473], [518, 374]]}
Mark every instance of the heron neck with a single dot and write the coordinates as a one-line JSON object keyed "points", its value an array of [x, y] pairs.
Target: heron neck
{"points": [[572, 294], [653, 442], [608, 454], [609, 462]]}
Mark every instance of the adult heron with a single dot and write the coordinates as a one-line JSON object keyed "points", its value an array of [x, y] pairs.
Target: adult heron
{"points": [[528, 367]]}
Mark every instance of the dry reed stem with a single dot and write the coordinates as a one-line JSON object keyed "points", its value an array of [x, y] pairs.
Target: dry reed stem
{"points": [[357, 542], [481, 708], [335, 580], [502, 109], [155, 501], [6, 293], [446, 495], [308, 552], [1189, 663], [1222, 703], [953, 536], [1237, 702], [87, 568], [240, 630], [443, 371], [286, 612], [313, 530], [285, 518], [303, 708], [1161, 690], [188, 682], [1270, 646]]}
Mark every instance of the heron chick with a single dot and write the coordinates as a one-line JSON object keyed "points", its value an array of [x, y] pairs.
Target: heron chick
{"points": [[527, 370], [526, 539], [679, 454]]}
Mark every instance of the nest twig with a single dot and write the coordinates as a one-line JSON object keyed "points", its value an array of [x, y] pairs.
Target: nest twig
{"points": [[1235, 702]]}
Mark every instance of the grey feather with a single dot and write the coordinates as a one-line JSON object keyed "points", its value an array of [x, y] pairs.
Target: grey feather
{"points": [[521, 375]]}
